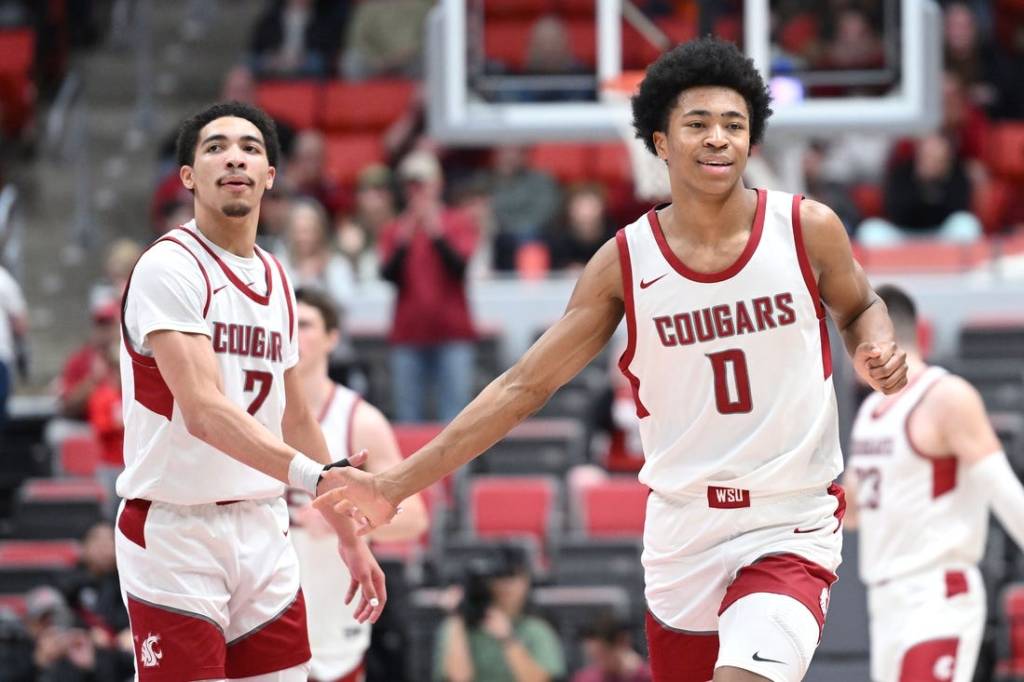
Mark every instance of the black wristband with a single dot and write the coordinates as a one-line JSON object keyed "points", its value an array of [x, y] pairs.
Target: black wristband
{"points": [[333, 465]]}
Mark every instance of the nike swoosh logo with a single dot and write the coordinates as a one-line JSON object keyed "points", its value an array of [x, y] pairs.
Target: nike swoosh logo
{"points": [[219, 288], [807, 530], [644, 285], [765, 660]]}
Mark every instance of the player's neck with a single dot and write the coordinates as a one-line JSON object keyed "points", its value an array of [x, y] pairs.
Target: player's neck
{"points": [[708, 218], [915, 364], [234, 235]]}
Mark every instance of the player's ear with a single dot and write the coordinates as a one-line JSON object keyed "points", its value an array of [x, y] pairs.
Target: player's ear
{"points": [[271, 174], [187, 176], [661, 144]]}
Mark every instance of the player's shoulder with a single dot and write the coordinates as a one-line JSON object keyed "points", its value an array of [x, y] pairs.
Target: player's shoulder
{"points": [[952, 391], [816, 217], [368, 416], [167, 256]]}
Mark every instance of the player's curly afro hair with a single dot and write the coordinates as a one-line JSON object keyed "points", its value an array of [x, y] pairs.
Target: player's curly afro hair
{"points": [[188, 133], [705, 61]]}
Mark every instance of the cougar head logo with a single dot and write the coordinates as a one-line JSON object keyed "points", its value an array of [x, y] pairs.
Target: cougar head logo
{"points": [[150, 651]]}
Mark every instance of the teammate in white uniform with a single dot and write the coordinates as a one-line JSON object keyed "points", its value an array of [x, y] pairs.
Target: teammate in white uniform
{"points": [[214, 415], [337, 639], [723, 292], [924, 470]]}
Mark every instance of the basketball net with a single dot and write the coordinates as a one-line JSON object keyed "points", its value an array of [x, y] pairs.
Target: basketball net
{"points": [[650, 177]]}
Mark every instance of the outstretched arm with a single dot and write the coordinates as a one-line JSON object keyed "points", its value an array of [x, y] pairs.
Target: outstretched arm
{"points": [[858, 312], [593, 313]]}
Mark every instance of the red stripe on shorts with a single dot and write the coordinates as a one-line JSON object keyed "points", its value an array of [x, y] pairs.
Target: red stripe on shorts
{"points": [[279, 644]]}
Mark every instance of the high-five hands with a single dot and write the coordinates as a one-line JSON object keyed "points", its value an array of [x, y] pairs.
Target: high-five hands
{"points": [[883, 365], [357, 495]]}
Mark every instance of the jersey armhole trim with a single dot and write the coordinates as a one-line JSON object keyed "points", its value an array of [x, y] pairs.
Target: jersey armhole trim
{"points": [[944, 467], [351, 431], [627, 294], [287, 288], [812, 286]]}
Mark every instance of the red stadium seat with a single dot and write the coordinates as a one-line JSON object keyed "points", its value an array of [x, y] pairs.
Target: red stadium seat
{"points": [[17, 52], [611, 164], [501, 506], [60, 489], [347, 155], [14, 603], [583, 40], [506, 41], [23, 552], [869, 198], [1005, 153], [295, 102], [517, 8], [17, 90], [568, 162], [614, 507], [1013, 619], [79, 455], [369, 105]]}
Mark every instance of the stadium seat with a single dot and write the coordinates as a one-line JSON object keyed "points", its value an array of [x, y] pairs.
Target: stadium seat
{"points": [[348, 154], [295, 102], [869, 199], [17, 90], [57, 507], [503, 506], [567, 162], [612, 165], [1012, 619], [992, 337], [505, 41], [450, 556], [545, 446], [79, 455], [581, 560], [15, 603], [365, 106], [24, 565], [573, 609], [615, 507], [517, 8]]}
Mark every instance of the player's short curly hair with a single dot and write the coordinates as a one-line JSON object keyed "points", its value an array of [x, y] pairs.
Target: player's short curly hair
{"points": [[188, 133], [705, 61]]}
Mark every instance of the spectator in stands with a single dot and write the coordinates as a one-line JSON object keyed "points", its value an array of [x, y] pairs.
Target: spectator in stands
{"points": [[524, 201], [309, 259], [86, 368], [105, 418], [424, 252], [121, 257], [927, 195], [549, 53], [93, 593], [385, 39], [297, 37], [585, 229], [968, 56], [831, 193], [491, 637], [274, 211], [63, 652], [855, 43], [304, 172], [472, 197], [609, 647], [376, 205], [16, 649], [13, 326]]}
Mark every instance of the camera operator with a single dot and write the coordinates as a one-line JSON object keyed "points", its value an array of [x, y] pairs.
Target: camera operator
{"points": [[490, 637]]}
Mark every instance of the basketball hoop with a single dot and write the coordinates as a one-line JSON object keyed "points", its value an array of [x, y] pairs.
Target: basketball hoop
{"points": [[650, 177]]}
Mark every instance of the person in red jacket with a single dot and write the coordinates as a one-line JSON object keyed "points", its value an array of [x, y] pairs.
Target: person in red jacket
{"points": [[424, 252]]}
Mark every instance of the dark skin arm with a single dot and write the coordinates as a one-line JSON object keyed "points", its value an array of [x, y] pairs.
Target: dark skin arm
{"points": [[858, 312], [591, 317]]}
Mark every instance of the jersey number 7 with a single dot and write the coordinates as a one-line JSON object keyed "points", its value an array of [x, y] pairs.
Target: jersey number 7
{"points": [[252, 377], [732, 381]]}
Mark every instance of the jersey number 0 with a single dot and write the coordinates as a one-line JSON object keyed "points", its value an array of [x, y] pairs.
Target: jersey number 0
{"points": [[732, 381]]}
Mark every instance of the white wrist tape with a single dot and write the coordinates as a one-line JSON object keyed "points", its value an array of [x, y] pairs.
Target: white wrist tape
{"points": [[993, 477], [304, 473]]}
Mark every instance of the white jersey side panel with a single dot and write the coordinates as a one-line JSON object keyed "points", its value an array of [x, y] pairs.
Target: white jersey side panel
{"points": [[185, 283], [915, 512], [337, 641], [731, 371]]}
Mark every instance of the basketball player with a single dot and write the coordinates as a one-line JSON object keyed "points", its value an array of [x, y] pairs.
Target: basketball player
{"points": [[215, 426], [338, 641], [925, 468], [724, 293]]}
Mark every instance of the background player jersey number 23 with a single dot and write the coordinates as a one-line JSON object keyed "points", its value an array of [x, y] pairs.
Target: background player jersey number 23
{"points": [[732, 381]]}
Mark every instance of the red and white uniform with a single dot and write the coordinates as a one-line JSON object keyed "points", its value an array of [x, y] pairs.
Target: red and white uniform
{"points": [[732, 379], [922, 532], [210, 579], [337, 640]]}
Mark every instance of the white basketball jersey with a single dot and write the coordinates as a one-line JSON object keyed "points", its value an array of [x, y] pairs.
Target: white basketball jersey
{"points": [[731, 371], [185, 282], [337, 641], [916, 513]]}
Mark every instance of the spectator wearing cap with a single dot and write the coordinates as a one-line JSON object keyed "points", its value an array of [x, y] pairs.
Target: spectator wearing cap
{"points": [[525, 201], [13, 326], [424, 253]]}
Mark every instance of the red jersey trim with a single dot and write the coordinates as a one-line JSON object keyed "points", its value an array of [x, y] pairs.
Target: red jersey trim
{"points": [[230, 274], [944, 467], [287, 295], [812, 287], [627, 294], [710, 277], [350, 432]]}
